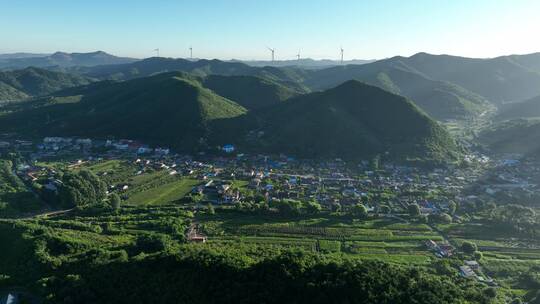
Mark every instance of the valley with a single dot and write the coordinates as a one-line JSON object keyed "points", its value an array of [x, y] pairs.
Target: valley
{"points": [[173, 168]]}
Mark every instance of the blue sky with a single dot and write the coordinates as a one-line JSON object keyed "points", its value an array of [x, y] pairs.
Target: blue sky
{"points": [[242, 29]]}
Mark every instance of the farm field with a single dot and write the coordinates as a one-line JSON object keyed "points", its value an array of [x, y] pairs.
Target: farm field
{"points": [[330, 235]]}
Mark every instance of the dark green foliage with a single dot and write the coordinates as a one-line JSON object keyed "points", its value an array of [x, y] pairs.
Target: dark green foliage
{"points": [[115, 201], [439, 99], [250, 92], [165, 109], [478, 255], [385, 209], [525, 109], [359, 211], [210, 277], [36, 82], [80, 189], [444, 218], [515, 136], [287, 206], [516, 217], [313, 207], [452, 206], [210, 209], [414, 210], [152, 242], [490, 292], [469, 247], [353, 120], [507, 78]]}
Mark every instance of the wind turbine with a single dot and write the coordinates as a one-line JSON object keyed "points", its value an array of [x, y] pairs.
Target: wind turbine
{"points": [[157, 51], [273, 51], [191, 52], [342, 50], [298, 55]]}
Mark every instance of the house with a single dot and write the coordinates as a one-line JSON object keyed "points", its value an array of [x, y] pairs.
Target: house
{"points": [[161, 151], [228, 148], [472, 264], [84, 141], [466, 272], [198, 239]]}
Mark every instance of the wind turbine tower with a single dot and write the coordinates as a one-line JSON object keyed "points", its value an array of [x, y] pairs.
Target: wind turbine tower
{"points": [[157, 52], [273, 52], [191, 52], [298, 55], [341, 49]]}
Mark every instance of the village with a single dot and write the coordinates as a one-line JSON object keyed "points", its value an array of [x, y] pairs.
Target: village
{"points": [[328, 182], [138, 172]]}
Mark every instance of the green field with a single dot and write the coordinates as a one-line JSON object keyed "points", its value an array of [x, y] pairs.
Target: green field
{"points": [[163, 194]]}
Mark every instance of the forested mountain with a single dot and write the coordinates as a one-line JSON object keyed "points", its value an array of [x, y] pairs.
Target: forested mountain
{"points": [[305, 63], [61, 59], [15, 85], [250, 92], [440, 99], [501, 79], [163, 109], [514, 136], [526, 109], [353, 120]]}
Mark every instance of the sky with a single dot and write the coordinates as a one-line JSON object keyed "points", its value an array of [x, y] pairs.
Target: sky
{"points": [[243, 29]]}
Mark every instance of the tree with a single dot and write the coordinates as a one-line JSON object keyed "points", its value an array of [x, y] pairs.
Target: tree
{"points": [[115, 201], [287, 206], [452, 206], [375, 162], [385, 209], [490, 292], [360, 211], [469, 247], [210, 209], [81, 188], [313, 207], [414, 210], [336, 207], [478, 255]]}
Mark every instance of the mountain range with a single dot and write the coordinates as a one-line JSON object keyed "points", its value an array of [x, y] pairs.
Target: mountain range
{"points": [[446, 87], [353, 120], [21, 84], [529, 108], [305, 63], [59, 60]]}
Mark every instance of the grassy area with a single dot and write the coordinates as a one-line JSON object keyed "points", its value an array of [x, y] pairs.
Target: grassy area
{"points": [[163, 194]]}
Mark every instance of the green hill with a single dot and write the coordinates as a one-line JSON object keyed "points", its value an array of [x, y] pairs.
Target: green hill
{"points": [[250, 92], [61, 59], [525, 109], [36, 82], [501, 79], [440, 99], [353, 120], [163, 109], [289, 77], [513, 136]]}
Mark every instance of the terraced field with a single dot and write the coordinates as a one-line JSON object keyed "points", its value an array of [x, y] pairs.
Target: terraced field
{"points": [[357, 239]]}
